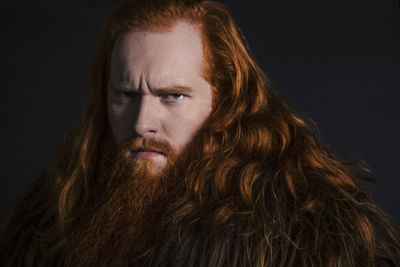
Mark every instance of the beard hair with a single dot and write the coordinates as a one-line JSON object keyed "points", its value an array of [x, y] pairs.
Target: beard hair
{"points": [[118, 224]]}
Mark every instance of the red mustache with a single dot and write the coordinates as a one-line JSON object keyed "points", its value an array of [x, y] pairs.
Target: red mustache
{"points": [[147, 144]]}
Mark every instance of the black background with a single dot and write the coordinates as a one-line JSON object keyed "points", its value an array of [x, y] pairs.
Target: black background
{"points": [[337, 62]]}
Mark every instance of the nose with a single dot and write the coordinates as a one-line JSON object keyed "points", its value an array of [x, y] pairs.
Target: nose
{"points": [[147, 117]]}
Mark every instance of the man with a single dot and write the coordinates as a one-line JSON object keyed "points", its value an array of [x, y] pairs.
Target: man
{"points": [[187, 157]]}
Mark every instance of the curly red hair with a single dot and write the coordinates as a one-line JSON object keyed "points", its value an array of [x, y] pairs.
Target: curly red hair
{"points": [[259, 189]]}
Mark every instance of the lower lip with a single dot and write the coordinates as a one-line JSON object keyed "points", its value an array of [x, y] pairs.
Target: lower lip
{"points": [[146, 155]]}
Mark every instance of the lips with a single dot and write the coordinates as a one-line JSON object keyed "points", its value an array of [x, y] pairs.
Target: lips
{"points": [[146, 153], [141, 150]]}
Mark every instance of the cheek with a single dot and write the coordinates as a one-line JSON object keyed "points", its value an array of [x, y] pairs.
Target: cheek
{"points": [[119, 121], [184, 127]]}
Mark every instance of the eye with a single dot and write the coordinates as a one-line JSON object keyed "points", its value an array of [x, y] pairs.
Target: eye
{"points": [[125, 94], [172, 98]]}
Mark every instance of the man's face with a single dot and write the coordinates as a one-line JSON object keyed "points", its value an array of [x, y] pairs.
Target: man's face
{"points": [[157, 91]]}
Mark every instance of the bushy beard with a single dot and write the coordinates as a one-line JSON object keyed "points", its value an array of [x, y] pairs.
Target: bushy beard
{"points": [[118, 225]]}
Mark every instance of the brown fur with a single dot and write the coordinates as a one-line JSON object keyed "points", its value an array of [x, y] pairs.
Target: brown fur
{"points": [[255, 187]]}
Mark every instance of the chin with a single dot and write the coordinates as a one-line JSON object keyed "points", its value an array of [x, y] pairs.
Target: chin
{"points": [[156, 172], [152, 168]]}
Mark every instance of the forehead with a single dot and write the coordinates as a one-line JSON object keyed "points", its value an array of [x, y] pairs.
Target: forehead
{"points": [[159, 55]]}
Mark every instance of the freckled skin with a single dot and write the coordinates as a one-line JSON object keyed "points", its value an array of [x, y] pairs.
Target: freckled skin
{"points": [[144, 61]]}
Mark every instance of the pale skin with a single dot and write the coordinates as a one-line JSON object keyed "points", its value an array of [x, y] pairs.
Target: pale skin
{"points": [[157, 88]]}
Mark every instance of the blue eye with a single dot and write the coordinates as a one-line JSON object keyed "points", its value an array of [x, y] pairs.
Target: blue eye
{"points": [[172, 98], [176, 96]]}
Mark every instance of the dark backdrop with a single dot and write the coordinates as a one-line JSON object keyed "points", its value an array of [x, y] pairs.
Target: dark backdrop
{"points": [[337, 62]]}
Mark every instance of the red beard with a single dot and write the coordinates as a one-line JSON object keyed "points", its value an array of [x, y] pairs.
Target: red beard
{"points": [[117, 225]]}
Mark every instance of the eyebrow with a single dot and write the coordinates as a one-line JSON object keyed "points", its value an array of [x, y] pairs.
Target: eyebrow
{"points": [[173, 89], [118, 86]]}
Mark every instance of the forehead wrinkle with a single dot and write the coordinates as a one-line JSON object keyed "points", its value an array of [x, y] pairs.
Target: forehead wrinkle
{"points": [[143, 84], [124, 75]]}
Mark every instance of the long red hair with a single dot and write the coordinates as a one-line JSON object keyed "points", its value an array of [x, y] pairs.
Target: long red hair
{"points": [[260, 189]]}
